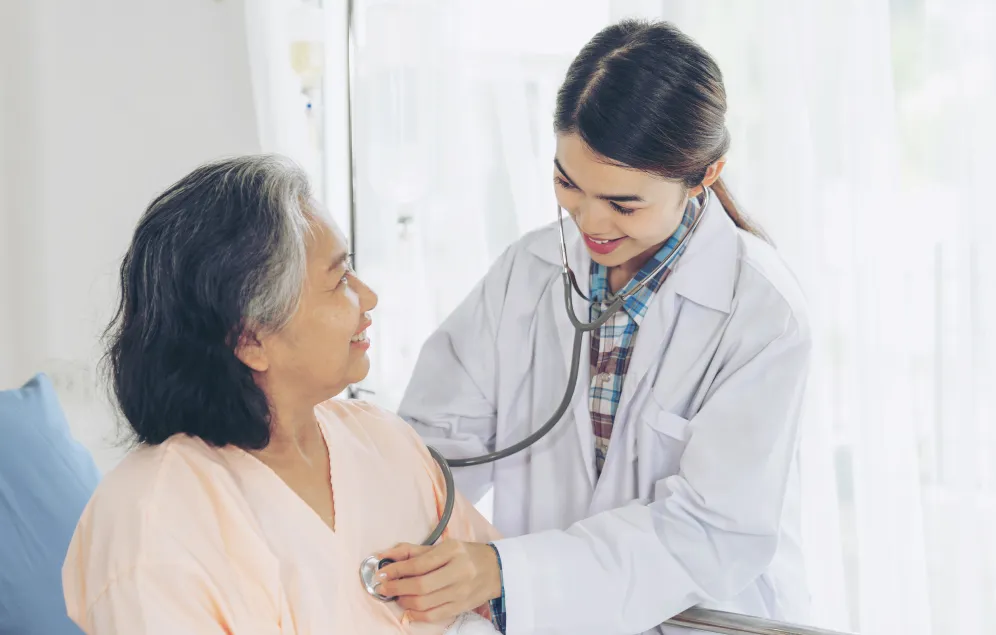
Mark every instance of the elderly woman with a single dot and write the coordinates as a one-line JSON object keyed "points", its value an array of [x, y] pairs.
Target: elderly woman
{"points": [[252, 497]]}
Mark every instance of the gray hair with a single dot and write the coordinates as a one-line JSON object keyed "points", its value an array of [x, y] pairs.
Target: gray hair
{"points": [[275, 296], [281, 190]]}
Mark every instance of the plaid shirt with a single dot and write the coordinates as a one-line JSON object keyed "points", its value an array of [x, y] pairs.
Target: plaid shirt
{"points": [[612, 344]]}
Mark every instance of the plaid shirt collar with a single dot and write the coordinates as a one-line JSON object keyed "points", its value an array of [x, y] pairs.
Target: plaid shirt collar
{"points": [[636, 305]]}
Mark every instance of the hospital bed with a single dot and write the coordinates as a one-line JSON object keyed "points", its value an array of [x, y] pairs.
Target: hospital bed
{"points": [[735, 624]]}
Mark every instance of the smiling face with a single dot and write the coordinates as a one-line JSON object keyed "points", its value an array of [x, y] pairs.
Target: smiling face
{"points": [[624, 215], [323, 348]]}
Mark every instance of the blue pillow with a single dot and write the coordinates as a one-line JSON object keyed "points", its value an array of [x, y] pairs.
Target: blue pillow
{"points": [[46, 479]]}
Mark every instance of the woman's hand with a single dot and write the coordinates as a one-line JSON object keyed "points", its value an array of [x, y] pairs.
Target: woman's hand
{"points": [[438, 583]]}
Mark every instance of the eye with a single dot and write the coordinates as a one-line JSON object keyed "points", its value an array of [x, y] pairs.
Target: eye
{"points": [[343, 281], [625, 211], [564, 183], [348, 271]]}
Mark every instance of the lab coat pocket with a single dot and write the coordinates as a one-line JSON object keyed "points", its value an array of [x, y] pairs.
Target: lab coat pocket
{"points": [[661, 441], [669, 424]]}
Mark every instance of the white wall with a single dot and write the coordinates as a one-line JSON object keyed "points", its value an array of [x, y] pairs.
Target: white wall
{"points": [[105, 102]]}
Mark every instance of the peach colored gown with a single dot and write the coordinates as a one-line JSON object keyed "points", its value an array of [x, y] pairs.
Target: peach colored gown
{"points": [[187, 538]]}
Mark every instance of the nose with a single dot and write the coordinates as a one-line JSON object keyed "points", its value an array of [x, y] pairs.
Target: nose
{"points": [[367, 296], [593, 219]]}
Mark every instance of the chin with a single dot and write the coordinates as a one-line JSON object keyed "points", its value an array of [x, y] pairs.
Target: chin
{"points": [[610, 260], [359, 370]]}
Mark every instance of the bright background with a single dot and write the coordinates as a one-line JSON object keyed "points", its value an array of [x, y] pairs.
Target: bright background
{"points": [[861, 131]]}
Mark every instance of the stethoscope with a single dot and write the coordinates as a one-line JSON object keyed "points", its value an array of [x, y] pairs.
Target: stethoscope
{"points": [[370, 566]]}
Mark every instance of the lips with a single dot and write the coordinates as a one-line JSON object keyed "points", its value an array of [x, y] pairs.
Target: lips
{"points": [[360, 337], [601, 246]]}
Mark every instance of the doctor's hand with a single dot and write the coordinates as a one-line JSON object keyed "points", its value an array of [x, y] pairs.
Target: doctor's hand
{"points": [[438, 583]]}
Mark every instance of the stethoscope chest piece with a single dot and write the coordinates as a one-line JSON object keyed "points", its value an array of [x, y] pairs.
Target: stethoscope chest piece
{"points": [[368, 575]]}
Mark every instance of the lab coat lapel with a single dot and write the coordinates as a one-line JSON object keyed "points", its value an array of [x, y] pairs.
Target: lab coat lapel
{"points": [[705, 274], [580, 262], [648, 345]]}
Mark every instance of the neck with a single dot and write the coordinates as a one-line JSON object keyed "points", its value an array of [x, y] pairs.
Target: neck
{"points": [[294, 431], [620, 275]]}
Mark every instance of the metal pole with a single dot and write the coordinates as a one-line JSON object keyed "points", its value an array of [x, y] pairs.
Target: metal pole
{"points": [[353, 392], [350, 80]]}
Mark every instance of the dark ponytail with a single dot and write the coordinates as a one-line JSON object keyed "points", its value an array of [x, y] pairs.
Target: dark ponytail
{"points": [[645, 95], [733, 210]]}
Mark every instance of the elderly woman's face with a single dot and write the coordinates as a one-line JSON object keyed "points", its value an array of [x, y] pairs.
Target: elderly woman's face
{"points": [[323, 348]]}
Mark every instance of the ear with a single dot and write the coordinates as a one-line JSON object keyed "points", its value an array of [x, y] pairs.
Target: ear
{"points": [[711, 176], [251, 352]]}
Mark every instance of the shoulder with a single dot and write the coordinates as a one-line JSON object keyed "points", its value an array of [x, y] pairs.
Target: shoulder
{"points": [[522, 273], [384, 434], [374, 426], [543, 242], [536, 250], [180, 488], [174, 508], [136, 480], [766, 290], [149, 475], [362, 415]]}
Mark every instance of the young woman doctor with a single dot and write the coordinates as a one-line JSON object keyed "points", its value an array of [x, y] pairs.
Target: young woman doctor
{"points": [[672, 480]]}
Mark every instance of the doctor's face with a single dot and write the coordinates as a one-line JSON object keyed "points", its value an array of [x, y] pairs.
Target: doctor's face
{"points": [[625, 215]]}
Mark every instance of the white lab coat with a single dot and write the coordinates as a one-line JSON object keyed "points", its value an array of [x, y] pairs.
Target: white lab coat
{"points": [[698, 501]]}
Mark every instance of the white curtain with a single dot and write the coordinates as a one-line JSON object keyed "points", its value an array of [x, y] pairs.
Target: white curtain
{"points": [[298, 57], [861, 130], [285, 59]]}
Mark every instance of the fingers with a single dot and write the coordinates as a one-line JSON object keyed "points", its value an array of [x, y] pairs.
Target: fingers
{"points": [[404, 551], [423, 585], [416, 561], [430, 601], [433, 584]]}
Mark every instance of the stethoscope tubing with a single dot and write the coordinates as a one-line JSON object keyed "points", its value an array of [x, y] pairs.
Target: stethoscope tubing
{"points": [[580, 328]]}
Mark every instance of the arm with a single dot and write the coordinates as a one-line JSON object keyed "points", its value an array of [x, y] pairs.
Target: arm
{"points": [[450, 400], [710, 536]]}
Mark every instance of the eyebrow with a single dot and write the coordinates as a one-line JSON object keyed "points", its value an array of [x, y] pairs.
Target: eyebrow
{"points": [[620, 198], [339, 260]]}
